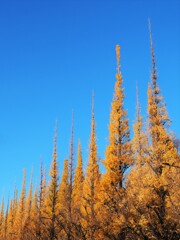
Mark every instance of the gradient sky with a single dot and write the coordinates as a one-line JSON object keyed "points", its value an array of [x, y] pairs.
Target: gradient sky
{"points": [[54, 53]]}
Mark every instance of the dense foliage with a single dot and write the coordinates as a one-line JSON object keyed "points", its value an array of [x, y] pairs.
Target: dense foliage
{"points": [[90, 205]]}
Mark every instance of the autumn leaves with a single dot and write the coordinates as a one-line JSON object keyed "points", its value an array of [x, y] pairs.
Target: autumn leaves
{"points": [[141, 203]]}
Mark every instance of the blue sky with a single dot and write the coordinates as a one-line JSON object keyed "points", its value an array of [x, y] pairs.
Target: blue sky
{"points": [[54, 53]]}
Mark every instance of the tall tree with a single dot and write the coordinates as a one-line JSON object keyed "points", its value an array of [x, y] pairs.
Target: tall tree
{"points": [[22, 209], [41, 204], [118, 152], [91, 184], [163, 147], [118, 158], [13, 215], [77, 196], [63, 197], [28, 212], [78, 179], [163, 155], [6, 223], [52, 196], [34, 224], [71, 182], [10, 219], [66, 188]]}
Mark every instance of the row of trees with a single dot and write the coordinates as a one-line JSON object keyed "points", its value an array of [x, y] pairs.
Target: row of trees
{"points": [[91, 205]]}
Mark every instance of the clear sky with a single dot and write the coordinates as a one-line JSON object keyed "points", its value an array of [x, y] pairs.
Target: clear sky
{"points": [[53, 53]]}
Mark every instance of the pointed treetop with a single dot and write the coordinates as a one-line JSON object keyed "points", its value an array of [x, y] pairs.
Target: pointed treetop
{"points": [[53, 170], [2, 205], [154, 74], [118, 58], [71, 156], [79, 143], [92, 104], [137, 94], [79, 149], [137, 101], [72, 119], [72, 137], [93, 117], [41, 179], [8, 203], [24, 176], [55, 139], [31, 180], [150, 32], [56, 130], [41, 167]]}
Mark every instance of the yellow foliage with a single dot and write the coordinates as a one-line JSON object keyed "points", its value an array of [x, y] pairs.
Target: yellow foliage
{"points": [[137, 197]]}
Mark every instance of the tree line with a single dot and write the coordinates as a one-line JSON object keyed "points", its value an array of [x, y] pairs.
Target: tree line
{"points": [[137, 197]]}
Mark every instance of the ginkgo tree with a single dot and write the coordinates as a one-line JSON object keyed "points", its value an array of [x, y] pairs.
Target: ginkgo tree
{"points": [[135, 196], [118, 158]]}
